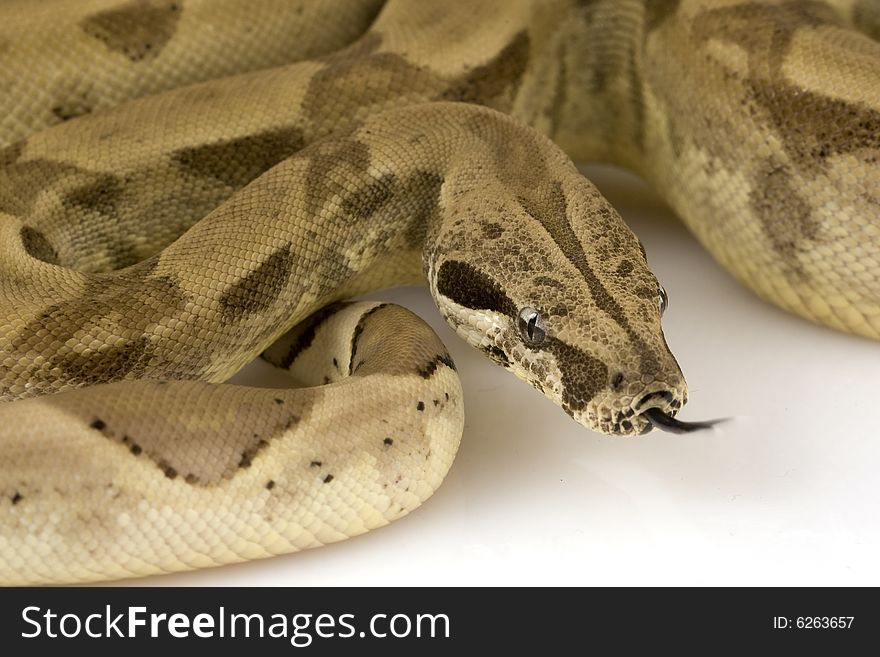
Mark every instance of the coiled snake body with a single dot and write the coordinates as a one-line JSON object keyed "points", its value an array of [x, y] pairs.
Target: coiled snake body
{"points": [[156, 241]]}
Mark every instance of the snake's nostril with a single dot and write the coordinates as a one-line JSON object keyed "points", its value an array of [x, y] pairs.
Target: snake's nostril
{"points": [[660, 394]]}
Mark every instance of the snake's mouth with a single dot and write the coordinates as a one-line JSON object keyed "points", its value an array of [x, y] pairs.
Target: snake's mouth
{"points": [[664, 421], [655, 410], [663, 417]]}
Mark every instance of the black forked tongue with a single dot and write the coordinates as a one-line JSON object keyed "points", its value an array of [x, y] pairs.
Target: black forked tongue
{"points": [[666, 422]]}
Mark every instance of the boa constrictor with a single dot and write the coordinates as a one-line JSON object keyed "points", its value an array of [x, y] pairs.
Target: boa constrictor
{"points": [[225, 172]]}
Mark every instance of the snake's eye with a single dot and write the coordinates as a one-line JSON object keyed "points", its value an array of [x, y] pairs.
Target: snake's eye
{"points": [[531, 326], [664, 300]]}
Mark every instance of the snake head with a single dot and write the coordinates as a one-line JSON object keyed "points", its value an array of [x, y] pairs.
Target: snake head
{"points": [[575, 312]]}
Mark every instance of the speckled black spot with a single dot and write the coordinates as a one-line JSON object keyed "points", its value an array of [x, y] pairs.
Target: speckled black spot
{"points": [[420, 406], [625, 268], [388, 442], [247, 457], [98, 424], [328, 478], [18, 497], [270, 484], [315, 464], [427, 371]]}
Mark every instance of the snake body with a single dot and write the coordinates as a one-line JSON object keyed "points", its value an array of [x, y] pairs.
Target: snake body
{"points": [[176, 224]]}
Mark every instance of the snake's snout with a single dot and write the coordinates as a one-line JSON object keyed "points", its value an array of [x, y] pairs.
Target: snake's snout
{"points": [[665, 397], [659, 418]]}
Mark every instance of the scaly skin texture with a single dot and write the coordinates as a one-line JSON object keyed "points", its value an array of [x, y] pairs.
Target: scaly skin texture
{"points": [[321, 178]]}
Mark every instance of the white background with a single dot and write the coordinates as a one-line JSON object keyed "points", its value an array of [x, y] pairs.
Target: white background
{"points": [[785, 493]]}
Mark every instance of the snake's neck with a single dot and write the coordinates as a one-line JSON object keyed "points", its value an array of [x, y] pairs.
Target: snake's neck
{"points": [[588, 59], [560, 66]]}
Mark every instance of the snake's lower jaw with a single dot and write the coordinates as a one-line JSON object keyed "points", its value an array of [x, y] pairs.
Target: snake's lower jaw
{"points": [[618, 424], [621, 415]]}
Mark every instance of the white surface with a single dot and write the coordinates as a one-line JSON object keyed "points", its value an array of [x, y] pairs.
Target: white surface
{"points": [[786, 493]]}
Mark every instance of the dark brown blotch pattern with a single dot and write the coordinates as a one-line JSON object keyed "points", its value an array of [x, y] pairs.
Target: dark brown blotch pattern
{"points": [[412, 200], [37, 245], [467, 286], [358, 332], [101, 195], [786, 218], [90, 313], [866, 16], [657, 11], [583, 375], [109, 363], [11, 153], [330, 162], [138, 29], [367, 201], [22, 181], [301, 336], [496, 82], [260, 288], [340, 84], [814, 127], [236, 162], [764, 30], [423, 191], [71, 108]]}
